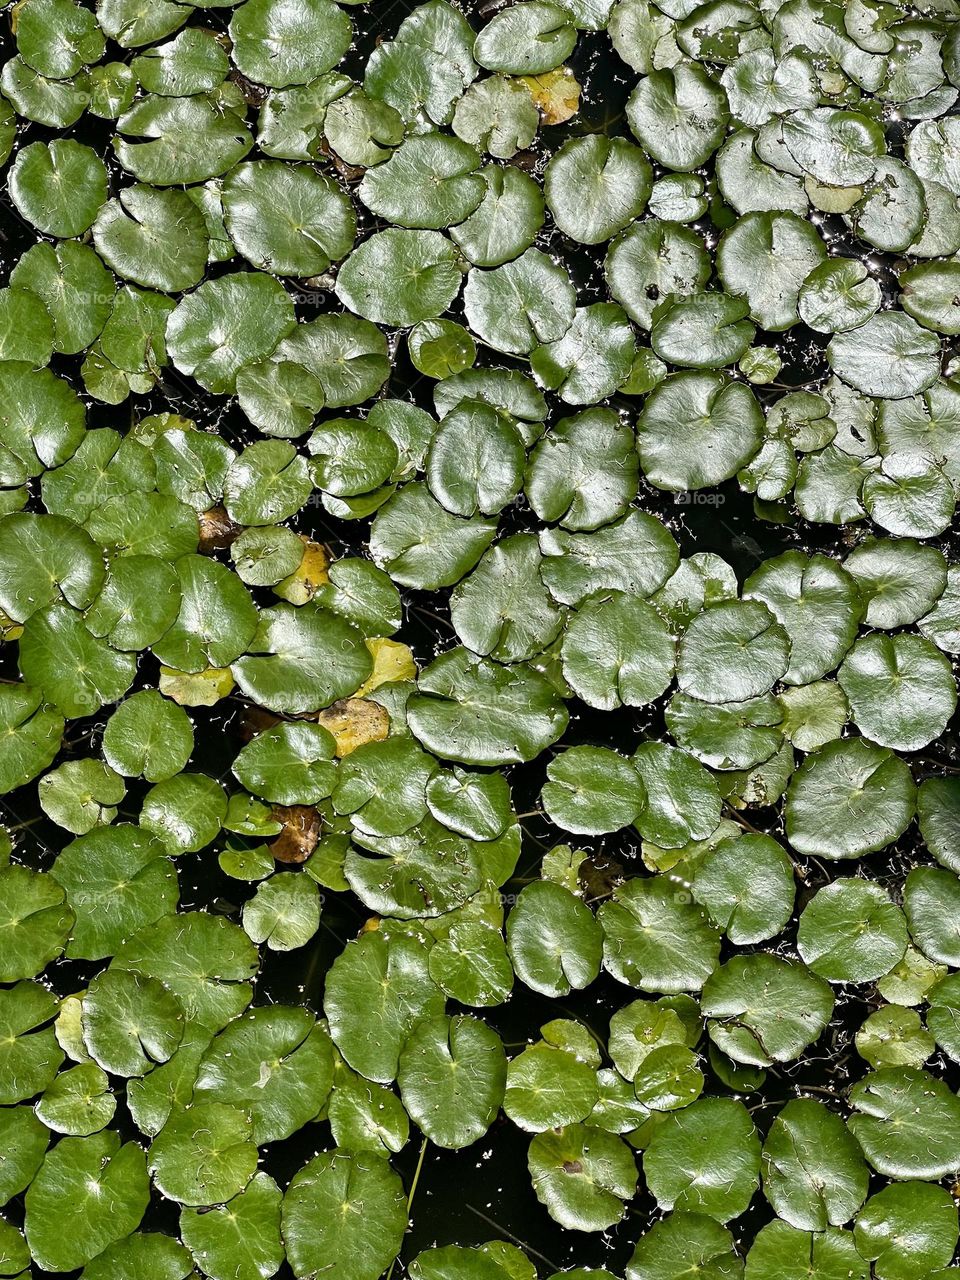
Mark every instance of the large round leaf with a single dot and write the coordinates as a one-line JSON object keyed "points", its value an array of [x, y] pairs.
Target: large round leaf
{"points": [[472, 710], [118, 880], [907, 1122], [452, 1074], [275, 1064], [813, 1172], [344, 1211], [302, 659], [399, 277], [103, 1186], [689, 412], [850, 931], [705, 1159], [583, 1175], [850, 798], [287, 219]]}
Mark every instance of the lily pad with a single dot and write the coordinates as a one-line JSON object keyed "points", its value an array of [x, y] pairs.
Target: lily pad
{"points": [[344, 1210], [711, 1135], [452, 1074], [106, 1184], [583, 1176]]}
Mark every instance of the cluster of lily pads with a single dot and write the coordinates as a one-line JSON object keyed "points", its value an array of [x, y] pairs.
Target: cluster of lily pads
{"points": [[359, 232]]}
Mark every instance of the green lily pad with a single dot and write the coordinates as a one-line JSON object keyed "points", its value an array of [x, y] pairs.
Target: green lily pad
{"points": [[389, 978], [813, 1172], [926, 1214], [747, 886], [130, 1022], [929, 898], [29, 1058], [284, 912], [847, 799], [206, 961], [781, 1252], [617, 650], [344, 1210], [498, 116], [636, 554], [656, 939], [289, 764], [901, 690], [77, 672], [227, 323], [105, 1185], [275, 1064], [400, 277], [505, 222], [81, 795], [690, 1240], [36, 922], [274, 45], [185, 811], [155, 238], [148, 736], [57, 38], [894, 1037], [672, 455], [907, 1122], [595, 186], [58, 186], [452, 1073], [32, 734], [471, 964], [475, 464], [429, 181], [554, 940], [366, 1117], [204, 1154], [25, 1139], [241, 1242], [502, 609], [683, 802], [139, 1255], [194, 62], [287, 219], [593, 358], [714, 1136], [850, 931], [818, 605], [420, 544], [527, 39], [78, 1102], [900, 579], [705, 330], [863, 357], [170, 142], [74, 287], [302, 659], [583, 1176], [732, 651], [521, 304], [766, 1009], [591, 790], [471, 710]]}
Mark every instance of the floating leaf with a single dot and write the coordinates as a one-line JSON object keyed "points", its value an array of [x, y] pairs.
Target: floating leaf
{"points": [[583, 1175], [713, 1136], [344, 1210], [106, 1184]]}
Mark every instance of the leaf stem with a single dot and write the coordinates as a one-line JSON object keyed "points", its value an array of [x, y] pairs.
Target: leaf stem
{"points": [[413, 1192]]}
